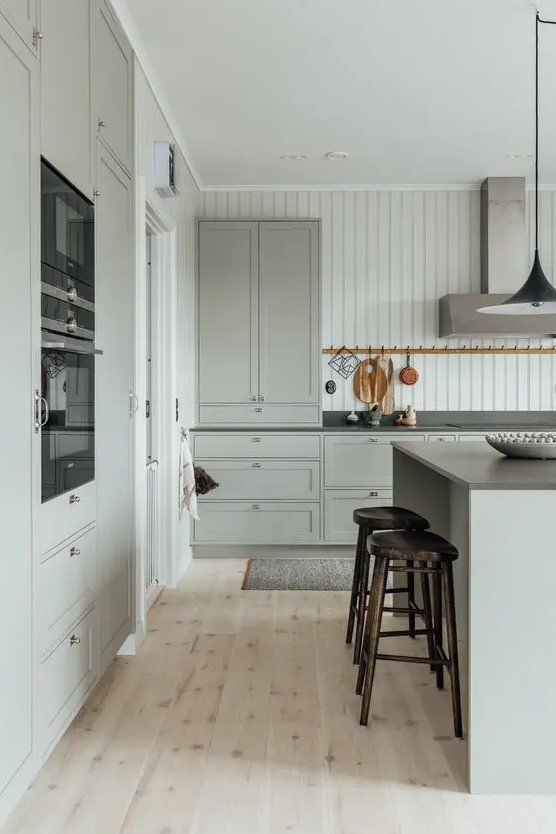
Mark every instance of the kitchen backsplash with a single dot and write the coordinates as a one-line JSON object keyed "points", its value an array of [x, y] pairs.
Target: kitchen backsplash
{"points": [[387, 256]]}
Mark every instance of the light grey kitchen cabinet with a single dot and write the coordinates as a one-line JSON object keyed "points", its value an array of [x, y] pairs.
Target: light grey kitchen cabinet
{"points": [[356, 461], [289, 345], [228, 319], [296, 480], [263, 445], [339, 505], [19, 218], [115, 336], [66, 136], [23, 16], [441, 438], [258, 322], [258, 522], [112, 83]]}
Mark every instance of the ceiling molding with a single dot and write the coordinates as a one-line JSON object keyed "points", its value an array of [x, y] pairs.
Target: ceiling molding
{"points": [[456, 186], [122, 13]]}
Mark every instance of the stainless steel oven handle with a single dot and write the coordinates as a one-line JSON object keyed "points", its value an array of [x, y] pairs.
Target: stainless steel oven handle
{"points": [[41, 420]]}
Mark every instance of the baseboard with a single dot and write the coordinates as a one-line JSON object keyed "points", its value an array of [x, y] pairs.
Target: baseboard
{"points": [[210, 551]]}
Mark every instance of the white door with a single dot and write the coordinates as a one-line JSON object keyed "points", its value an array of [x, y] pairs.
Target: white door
{"points": [[152, 510], [19, 238], [115, 336]]}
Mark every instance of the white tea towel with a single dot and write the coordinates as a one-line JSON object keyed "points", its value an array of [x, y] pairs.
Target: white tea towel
{"points": [[187, 491]]}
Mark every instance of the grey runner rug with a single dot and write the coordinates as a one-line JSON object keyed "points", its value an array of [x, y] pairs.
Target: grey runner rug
{"points": [[298, 575]]}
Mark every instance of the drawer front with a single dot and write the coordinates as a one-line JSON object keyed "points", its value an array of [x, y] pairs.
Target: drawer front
{"points": [[360, 461], [339, 505], [259, 415], [64, 516], [66, 587], [441, 438], [473, 438], [265, 479], [65, 676], [258, 523], [263, 445]]}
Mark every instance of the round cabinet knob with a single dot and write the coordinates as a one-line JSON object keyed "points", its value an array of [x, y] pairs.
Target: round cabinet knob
{"points": [[261, 399], [74, 499], [253, 398], [96, 193], [101, 123], [256, 465], [74, 551], [71, 325], [75, 640], [72, 294]]}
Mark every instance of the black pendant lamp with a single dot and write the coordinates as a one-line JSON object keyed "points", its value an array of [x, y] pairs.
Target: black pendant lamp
{"points": [[537, 296]]}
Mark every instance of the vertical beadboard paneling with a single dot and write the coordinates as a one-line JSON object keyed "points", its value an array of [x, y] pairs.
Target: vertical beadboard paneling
{"points": [[386, 258]]}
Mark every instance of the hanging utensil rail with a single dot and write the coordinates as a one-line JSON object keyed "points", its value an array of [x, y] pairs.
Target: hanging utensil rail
{"points": [[421, 351]]}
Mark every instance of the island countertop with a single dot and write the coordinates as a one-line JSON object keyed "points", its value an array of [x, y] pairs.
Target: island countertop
{"points": [[479, 466]]}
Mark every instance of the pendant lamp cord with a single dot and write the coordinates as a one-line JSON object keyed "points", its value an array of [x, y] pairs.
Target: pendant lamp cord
{"points": [[553, 23]]}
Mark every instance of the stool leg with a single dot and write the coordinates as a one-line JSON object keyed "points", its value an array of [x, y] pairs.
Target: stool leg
{"points": [[448, 582], [374, 619], [411, 599], [355, 585], [363, 588], [427, 609], [438, 636]]}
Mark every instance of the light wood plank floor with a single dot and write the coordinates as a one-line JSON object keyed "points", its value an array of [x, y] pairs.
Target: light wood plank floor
{"points": [[239, 717]]}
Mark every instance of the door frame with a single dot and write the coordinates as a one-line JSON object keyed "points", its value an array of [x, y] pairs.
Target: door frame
{"points": [[163, 265]]}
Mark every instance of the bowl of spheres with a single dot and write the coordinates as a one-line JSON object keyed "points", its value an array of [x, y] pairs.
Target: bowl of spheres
{"points": [[535, 445]]}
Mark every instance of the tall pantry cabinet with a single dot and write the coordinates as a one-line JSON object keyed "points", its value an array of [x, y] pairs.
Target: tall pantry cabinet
{"points": [[67, 94], [258, 322]]}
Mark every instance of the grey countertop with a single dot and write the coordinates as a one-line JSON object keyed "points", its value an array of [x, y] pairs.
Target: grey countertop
{"points": [[479, 466]]}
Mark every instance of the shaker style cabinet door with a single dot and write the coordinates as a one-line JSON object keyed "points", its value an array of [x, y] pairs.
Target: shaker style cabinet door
{"points": [[228, 314], [23, 16], [114, 335], [19, 242], [289, 312], [112, 84], [66, 137]]}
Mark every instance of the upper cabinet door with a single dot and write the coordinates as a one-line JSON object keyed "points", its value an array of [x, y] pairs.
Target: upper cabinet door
{"points": [[23, 16], [228, 301], [66, 136], [112, 74], [289, 312], [19, 245]]}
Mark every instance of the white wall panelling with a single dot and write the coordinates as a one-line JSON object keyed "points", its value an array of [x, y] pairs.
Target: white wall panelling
{"points": [[387, 256]]}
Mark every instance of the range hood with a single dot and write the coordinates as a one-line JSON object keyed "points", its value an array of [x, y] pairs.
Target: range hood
{"points": [[503, 268]]}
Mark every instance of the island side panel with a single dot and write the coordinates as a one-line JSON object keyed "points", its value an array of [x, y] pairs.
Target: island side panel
{"points": [[512, 687]]}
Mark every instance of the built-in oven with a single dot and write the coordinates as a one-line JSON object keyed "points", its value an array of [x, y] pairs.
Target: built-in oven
{"points": [[65, 404]]}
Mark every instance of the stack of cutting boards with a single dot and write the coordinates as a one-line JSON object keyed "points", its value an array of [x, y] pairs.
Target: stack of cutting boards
{"points": [[373, 383]]}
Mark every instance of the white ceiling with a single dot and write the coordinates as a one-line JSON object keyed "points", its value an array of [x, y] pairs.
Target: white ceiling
{"points": [[416, 91]]}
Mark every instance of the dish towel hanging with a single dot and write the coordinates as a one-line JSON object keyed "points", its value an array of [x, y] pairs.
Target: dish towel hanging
{"points": [[187, 491]]}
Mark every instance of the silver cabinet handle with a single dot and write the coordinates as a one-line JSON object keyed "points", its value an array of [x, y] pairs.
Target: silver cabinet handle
{"points": [[74, 499], [96, 193], [256, 439], [71, 325], [72, 295], [258, 411], [256, 465], [373, 440], [133, 403], [101, 123], [74, 640], [373, 494], [256, 507], [41, 405], [74, 551]]}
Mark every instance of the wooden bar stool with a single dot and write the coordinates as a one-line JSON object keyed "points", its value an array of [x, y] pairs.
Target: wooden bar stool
{"points": [[370, 519], [428, 554]]}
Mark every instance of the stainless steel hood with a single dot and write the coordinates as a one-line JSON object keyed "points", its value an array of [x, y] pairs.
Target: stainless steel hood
{"points": [[503, 269]]}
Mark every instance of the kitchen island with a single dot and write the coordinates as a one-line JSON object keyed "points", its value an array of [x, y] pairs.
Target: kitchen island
{"points": [[501, 514]]}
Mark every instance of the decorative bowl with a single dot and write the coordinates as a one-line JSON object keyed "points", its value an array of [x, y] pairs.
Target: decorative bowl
{"points": [[535, 445]]}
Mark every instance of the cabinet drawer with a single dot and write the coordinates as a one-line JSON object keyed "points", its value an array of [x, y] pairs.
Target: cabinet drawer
{"points": [[258, 523], [67, 514], [247, 445], [471, 438], [66, 587], [264, 479], [65, 676], [441, 438], [259, 415], [339, 505], [360, 461]]}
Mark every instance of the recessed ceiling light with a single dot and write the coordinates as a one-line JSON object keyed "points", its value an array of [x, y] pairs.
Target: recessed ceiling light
{"points": [[293, 156], [336, 155]]}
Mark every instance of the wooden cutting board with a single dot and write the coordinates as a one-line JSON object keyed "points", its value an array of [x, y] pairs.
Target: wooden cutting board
{"points": [[370, 382]]}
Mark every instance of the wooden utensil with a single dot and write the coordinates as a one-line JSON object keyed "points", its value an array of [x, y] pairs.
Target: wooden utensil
{"points": [[388, 401], [409, 375], [370, 382]]}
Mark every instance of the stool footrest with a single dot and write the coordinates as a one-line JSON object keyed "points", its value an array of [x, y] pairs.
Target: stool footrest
{"points": [[404, 633], [429, 661], [407, 569]]}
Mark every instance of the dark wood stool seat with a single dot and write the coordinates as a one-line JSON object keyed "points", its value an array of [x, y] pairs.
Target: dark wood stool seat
{"points": [[370, 519], [425, 554]]}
